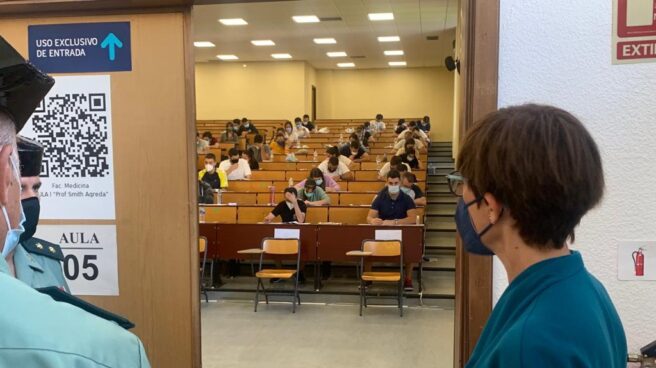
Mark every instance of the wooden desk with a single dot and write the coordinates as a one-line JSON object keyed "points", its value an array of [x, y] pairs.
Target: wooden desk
{"points": [[235, 237], [333, 241]]}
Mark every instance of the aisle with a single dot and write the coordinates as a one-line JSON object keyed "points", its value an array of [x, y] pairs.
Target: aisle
{"points": [[321, 335]]}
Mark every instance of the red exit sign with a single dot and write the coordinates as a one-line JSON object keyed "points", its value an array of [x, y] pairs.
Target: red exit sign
{"points": [[634, 36]]}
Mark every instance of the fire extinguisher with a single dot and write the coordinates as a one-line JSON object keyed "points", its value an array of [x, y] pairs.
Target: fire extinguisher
{"points": [[638, 262]]}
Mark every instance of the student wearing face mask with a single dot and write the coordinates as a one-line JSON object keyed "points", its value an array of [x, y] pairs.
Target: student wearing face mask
{"points": [[262, 152], [35, 330], [246, 127], [216, 178], [279, 146], [313, 195], [322, 181], [229, 135], [301, 131], [409, 186], [410, 158], [307, 123], [249, 155], [528, 174], [393, 207], [400, 126], [201, 144], [336, 169], [395, 163], [290, 210], [290, 134], [333, 151], [211, 141], [235, 167]]}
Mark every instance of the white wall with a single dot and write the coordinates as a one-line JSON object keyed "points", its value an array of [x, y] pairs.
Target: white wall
{"points": [[559, 52]]}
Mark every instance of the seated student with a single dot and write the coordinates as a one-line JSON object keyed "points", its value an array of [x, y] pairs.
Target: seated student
{"points": [[357, 152], [290, 134], [412, 140], [211, 141], [367, 134], [307, 123], [201, 144], [409, 187], [393, 207], [229, 135], [378, 125], [313, 195], [216, 178], [413, 127], [249, 155], [246, 127], [325, 182], [410, 158], [278, 146], [424, 124], [394, 163], [400, 126], [336, 169], [290, 210], [237, 168], [205, 193], [333, 151], [261, 151], [301, 131]]}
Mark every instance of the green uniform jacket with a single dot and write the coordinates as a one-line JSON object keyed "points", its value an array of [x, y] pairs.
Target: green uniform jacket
{"points": [[38, 332], [38, 264]]}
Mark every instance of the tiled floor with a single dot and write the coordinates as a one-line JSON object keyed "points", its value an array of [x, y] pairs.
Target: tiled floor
{"points": [[325, 334]]}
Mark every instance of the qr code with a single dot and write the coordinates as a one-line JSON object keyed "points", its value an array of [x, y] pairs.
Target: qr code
{"points": [[74, 131]]}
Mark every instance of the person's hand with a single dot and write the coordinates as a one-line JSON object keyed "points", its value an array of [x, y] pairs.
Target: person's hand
{"points": [[376, 221], [267, 220], [290, 197], [307, 202], [388, 222]]}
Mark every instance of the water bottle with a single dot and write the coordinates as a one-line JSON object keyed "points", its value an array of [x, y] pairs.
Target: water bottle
{"points": [[219, 196], [341, 138], [315, 155], [291, 182], [272, 194], [201, 214]]}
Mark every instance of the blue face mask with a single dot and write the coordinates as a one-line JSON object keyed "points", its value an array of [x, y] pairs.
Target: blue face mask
{"points": [[318, 181], [470, 237], [13, 235]]}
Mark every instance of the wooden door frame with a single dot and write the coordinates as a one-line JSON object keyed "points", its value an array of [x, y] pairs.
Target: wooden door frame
{"points": [[479, 58]]}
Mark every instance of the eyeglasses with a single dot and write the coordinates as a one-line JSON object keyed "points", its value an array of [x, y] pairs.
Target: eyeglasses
{"points": [[456, 183]]}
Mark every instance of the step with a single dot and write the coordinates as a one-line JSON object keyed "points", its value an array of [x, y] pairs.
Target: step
{"points": [[440, 165], [436, 158], [441, 199], [438, 187], [438, 171], [440, 240], [432, 224], [442, 144], [439, 284], [436, 179], [442, 211], [446, 262]]}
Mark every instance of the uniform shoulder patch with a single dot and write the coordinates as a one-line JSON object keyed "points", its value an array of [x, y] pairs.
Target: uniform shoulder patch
{"points": [[44, 248]]}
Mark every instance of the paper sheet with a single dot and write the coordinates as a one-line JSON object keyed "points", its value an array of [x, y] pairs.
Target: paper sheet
{"points": [[389, 235], [287, 233]]}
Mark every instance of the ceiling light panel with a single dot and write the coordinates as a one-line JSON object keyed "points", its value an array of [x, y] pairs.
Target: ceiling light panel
{"points": [[203, 44], [233, 22], [227, 57], [389, 39], [346, 65], [263, 43], [397, 63], [335, 54], [305, 19], [281, 56], [325, 41], [381, 16], [393, 52]]}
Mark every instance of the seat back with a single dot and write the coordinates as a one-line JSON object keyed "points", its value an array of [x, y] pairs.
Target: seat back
{"points": [[382, 248], [281, 246]]}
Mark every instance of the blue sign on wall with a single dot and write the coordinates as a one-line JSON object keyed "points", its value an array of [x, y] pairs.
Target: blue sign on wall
{"points": [[81, 47]]}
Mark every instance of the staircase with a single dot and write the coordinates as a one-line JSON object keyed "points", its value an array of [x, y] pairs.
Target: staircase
{"points": [[439, 271]]}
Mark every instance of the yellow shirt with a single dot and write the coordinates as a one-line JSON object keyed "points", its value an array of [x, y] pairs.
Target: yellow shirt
{"points": [[223, 178], [276, 149]]}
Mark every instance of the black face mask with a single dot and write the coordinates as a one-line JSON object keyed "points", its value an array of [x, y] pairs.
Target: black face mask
{"points": [[234, 160], [32, 209]]}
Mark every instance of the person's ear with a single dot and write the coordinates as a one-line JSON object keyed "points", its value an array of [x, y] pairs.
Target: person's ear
{"points": [[5, 174], [494, 207]]}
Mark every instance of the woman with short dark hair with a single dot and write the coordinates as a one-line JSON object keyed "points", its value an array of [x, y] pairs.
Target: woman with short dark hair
{"points": [[527, 176]]}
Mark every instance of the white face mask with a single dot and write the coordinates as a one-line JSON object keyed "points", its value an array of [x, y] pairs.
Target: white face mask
{"points": [[13, 235], [209, 167], [393, 189], [289, 130]]}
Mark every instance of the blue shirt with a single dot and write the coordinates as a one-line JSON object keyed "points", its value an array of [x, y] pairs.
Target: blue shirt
{"points": [[392, 209], [554, 314]]}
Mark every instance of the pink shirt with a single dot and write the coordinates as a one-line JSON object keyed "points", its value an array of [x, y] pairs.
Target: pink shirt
{"points": [[330, 183]]}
